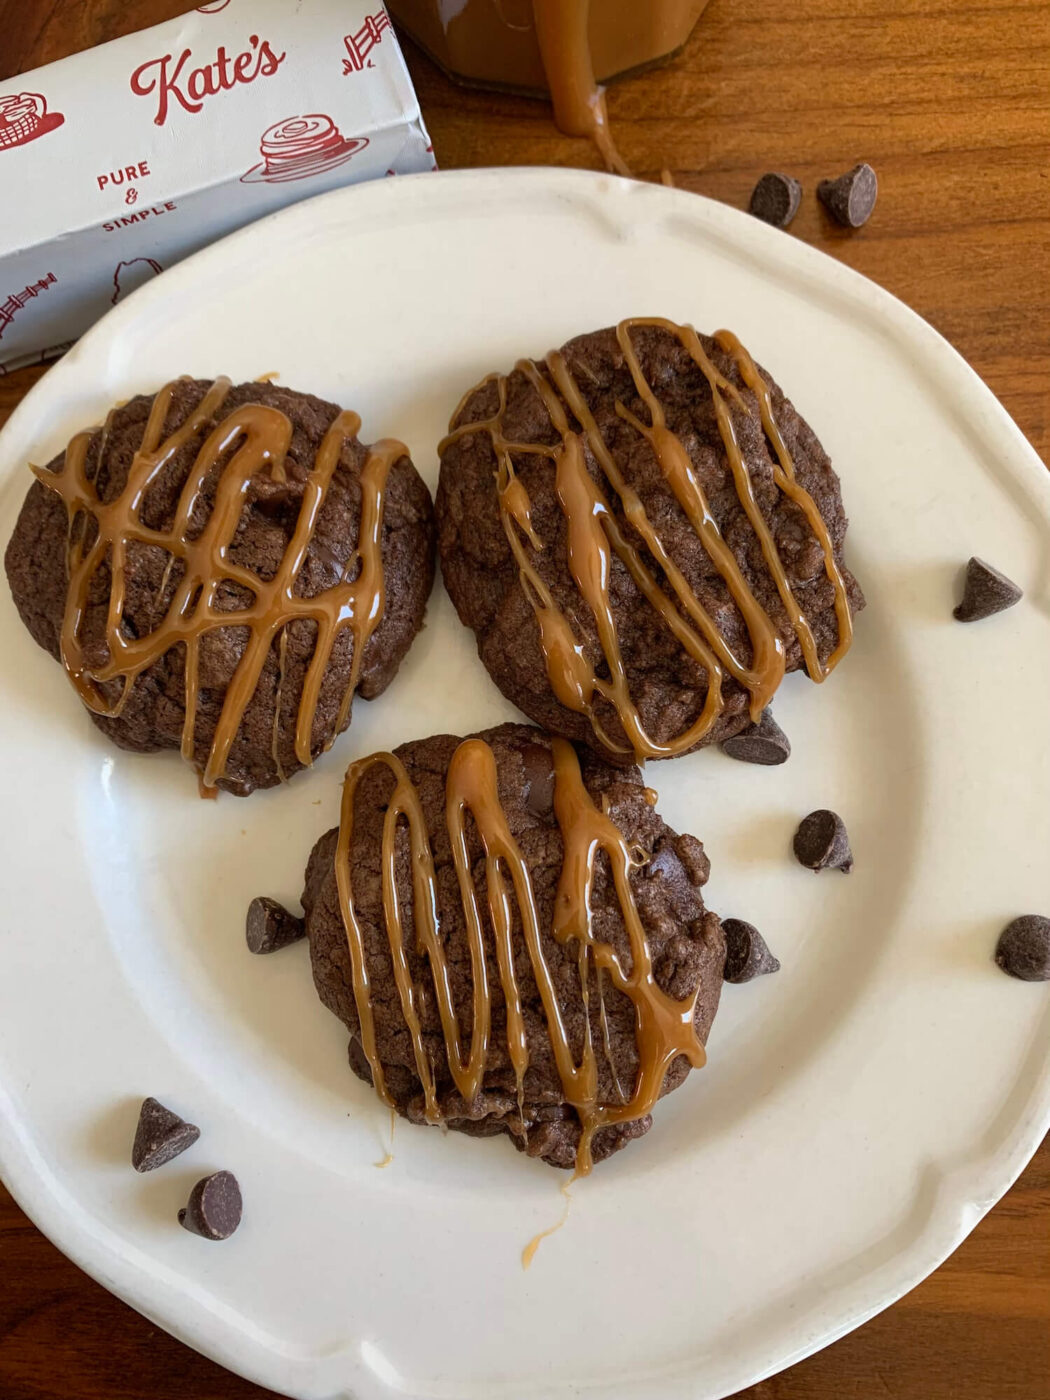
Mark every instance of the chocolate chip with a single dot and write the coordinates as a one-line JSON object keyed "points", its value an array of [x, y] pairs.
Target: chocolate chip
{"points": [[539, 779], [270, 926], [764, 742], [663, 861], [775, 199], [160, 1136], [214, 1208], [1023, 949], [851, 198], [985, 592], [747, 955], [821, 842]]}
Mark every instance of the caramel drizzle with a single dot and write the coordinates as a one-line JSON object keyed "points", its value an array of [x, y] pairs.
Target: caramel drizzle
{"points": [[595, 537], [252, 437], [664, 1026], [528, 1254]]}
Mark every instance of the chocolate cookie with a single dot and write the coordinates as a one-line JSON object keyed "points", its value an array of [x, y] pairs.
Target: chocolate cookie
{"points": [[497, 836], [220, 568], [644, 536]]}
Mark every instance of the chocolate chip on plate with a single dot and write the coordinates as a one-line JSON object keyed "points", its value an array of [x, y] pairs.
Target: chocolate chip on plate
{"points": [[851, 198], [214, 1208], [775, 199], [985, 592], [747, 954], [538, 762], [160, 1136], [270, 926], [1023, 949], [821, 842], [764, 742]]}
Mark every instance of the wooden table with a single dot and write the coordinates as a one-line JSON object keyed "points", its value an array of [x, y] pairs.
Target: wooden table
{"points": [[951, 103]]}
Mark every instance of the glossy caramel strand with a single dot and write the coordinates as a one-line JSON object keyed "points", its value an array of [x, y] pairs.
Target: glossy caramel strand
{"points": [[250, 439], [664, 1026], [595, 538]]}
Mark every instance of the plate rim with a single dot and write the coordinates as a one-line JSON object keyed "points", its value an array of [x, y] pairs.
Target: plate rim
{"points": [[984, 1177]]}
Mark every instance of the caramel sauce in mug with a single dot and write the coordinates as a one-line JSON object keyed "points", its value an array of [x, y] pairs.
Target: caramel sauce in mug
{"points": [[595, 538], [562, 47], [250, 439]]}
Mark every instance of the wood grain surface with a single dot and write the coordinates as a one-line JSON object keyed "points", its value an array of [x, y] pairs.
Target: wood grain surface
{"points": [[950, 101]]}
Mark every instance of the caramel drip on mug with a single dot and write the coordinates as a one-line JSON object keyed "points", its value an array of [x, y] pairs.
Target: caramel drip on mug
{"points": [[664, 1026], [252, 438], [563, 35], [594, 537]]}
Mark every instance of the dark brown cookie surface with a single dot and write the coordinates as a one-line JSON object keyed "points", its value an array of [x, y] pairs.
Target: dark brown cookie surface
{"points": [[154, 713], [668, 684], [684, 941]]}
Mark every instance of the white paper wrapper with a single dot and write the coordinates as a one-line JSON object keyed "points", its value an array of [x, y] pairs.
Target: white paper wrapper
{"points": [[119, 161]]}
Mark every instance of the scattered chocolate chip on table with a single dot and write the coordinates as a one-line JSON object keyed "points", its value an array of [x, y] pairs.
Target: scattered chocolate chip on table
{"points": [[850, 200], [775, 199]]}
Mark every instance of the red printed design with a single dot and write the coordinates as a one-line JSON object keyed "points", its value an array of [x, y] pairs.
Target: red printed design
{"points": [[10, 308], [361, 44], [131, 274], [213, 8], [299, 147], [24, 117]]}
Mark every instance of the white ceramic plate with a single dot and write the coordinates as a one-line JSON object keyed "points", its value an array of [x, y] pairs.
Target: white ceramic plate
{"points": [[861, 1110]]}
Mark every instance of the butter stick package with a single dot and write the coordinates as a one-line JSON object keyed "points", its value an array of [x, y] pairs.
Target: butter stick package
{"points": [[117, 162]]}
